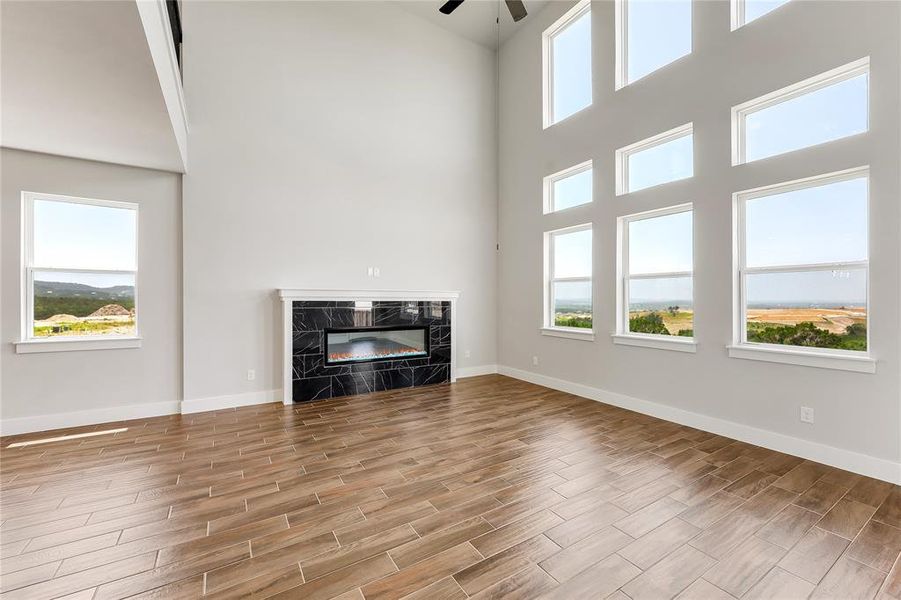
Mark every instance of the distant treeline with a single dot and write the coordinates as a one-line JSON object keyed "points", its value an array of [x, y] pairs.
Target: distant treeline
{"points": [[808, 334], [653, 323], [45, 307]]}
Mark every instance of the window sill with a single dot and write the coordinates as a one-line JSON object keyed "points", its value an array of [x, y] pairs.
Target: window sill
{"points": [[586, 335], [659, 342], [78, 344], [806, 358]]}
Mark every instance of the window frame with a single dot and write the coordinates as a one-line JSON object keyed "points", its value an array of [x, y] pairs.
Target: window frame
{"points": [[818, 82], [623, 154], [28, 343], [621, 45], [553, 178], [547, 60], [849, 360], [548, 326], [623, 277], [739, 14]]}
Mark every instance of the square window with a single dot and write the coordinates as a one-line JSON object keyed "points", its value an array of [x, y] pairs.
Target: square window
{"points": [[567, 64], [745, 11], [80, 272], [656, 270], [821, 109], [650, 35], [568, 278], [568, 188], [661, 159], [803, 264]]}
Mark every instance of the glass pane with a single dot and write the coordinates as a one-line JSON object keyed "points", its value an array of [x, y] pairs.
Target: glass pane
{"points": [[821, 309], [659, 32], [661, 244], [369, 345], [572, 191], [754, 9], [572, 254], [572, 304], [572, 68], [661, 306], [822, 224], [82, 236], [827, 114], [662, 163], [83, 304]]}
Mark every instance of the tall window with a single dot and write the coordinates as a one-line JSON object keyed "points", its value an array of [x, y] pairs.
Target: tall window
{"points": [[80, 260], [821, 109], [803, 263], [568, 188], [568, 276], [656, 273], [666, 157], [650, 35], [745, 11], [567, 64]]}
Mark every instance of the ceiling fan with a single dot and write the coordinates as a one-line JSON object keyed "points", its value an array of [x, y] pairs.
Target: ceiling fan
{"points": [[516, 7]]}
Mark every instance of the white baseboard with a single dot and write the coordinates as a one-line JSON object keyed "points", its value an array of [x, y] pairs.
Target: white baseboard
{"points": [[78, 418], [848, 460], [476, 371], [230, 401]]}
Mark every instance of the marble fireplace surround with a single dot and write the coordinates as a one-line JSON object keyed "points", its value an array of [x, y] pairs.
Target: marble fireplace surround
{"points": [[289, 296]]}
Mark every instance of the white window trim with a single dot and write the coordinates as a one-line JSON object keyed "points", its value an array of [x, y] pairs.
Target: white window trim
{"points": [[796, 90], [623, 335], [739, 14], [623, 154], [621, 52], [548, 327], [827, 358], [550, 180], [27, 342], [547, 55]]}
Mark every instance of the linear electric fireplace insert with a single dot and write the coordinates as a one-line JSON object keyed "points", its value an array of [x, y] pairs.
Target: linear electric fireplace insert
{"points": [[360, 344]]}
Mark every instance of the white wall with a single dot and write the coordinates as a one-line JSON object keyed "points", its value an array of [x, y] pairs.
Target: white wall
{"points": [[326, 137], [47, 390], [857, 413]]}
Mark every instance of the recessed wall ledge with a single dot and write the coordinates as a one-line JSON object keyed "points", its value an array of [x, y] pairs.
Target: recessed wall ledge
{"points": [[569, 333], [806, 358], [80, 344], [678, 344]]}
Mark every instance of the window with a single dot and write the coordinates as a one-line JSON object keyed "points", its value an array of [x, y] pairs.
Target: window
{"points": [[655, 283], [663, 158], [568, 269], [650, 35], [745, 11], [824, 108], [567, 64], [80, 273], [802, 257], [568, 188]]}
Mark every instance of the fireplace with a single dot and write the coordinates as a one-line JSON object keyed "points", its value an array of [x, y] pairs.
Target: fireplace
{"points": [[348, 342], [365, 344]]}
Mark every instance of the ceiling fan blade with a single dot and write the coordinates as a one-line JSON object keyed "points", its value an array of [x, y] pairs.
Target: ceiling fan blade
{"points": [[517, 9], [450, 6]]}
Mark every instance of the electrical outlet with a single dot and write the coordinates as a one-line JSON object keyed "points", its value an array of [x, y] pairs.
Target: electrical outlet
{"points": [[467, 354], [251, 374], [806, 414], [534, 361]]}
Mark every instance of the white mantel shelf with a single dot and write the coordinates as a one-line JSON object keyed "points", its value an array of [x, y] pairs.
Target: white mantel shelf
{"points": [[288, 296], [326, 294]]}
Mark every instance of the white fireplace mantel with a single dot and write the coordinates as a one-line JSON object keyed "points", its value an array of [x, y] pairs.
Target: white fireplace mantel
{"points": [[288, 296]]}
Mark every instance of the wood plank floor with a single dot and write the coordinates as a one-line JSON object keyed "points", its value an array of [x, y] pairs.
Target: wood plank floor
{"points": [[488, 488]]}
